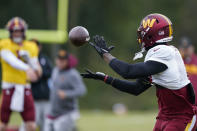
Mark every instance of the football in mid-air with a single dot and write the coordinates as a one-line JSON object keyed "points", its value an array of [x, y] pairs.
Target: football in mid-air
{"points": [[79, 36]]}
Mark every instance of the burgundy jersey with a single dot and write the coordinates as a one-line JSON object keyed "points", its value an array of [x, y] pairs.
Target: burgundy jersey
{"points": [[174, 104]]}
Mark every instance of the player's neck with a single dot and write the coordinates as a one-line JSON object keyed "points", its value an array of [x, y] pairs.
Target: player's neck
{"points": [[156, 44]]}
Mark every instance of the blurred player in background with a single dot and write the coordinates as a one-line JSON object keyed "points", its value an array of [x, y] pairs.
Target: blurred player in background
{"points": [[163, 63], [19, 66], [190, 59], [40, 89], [67, 86]]}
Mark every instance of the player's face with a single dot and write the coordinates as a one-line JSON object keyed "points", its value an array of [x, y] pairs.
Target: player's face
{"points": [[17, 36], [61, 63]]}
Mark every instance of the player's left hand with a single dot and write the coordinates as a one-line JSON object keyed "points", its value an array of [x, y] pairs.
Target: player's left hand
{"points": [[100, 45], [92, 75]]}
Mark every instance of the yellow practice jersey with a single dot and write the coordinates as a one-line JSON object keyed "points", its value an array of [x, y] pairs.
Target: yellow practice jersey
{"points": [[9, 73]]}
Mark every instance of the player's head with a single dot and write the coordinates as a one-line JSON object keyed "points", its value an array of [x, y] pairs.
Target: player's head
{"points": [[17, 27], [154, 29], [185, 47], [62, 59]]}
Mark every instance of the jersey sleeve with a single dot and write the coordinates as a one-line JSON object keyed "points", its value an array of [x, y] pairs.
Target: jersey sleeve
{"points": [[160, 54], [76, 82], [33, 50]]}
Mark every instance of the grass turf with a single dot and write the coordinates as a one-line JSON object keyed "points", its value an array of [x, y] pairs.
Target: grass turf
{"points": [[107, 121]]}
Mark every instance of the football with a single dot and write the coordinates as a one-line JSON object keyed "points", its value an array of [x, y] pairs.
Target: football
{"points": [[79, 36]]}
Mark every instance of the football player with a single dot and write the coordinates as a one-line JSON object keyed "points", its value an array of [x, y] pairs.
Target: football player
{"points": [[19, 67], [163, 63]]}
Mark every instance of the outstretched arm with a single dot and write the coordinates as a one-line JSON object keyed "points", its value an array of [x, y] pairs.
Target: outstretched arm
{"points": [[133, 71], [127, 71], [134, 88]]}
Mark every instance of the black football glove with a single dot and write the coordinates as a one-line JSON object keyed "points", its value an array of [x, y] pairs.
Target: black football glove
{"points": [[100, 45], [91, 75]]}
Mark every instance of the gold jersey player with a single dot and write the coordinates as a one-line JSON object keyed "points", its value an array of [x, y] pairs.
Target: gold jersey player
{"points": [[19, 67]]}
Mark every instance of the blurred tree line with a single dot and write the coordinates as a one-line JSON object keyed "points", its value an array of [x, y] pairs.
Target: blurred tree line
{"points": [[118, 21]]}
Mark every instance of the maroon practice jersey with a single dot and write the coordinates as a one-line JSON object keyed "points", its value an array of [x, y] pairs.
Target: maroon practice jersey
{"points": [[174, 104]]}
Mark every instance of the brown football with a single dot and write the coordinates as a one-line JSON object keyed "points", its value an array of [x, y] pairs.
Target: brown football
{"points": [[79, 36]]}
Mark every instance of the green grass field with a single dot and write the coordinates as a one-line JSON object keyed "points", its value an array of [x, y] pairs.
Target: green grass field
{"points": [[107, 121]]}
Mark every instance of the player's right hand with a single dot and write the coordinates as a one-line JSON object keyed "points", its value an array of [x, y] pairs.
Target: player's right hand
{"points": [[100, 45], [92, 75], [31, 75]]}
